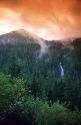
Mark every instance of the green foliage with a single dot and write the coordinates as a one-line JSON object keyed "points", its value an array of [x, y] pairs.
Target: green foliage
{"points": [[6, 92], [33, 109], [14, 68], [57, 114], [10, 91], [35, 87], [40, 96]]}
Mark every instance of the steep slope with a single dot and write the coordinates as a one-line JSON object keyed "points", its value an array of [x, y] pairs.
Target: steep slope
{"points": [[27, 49], [23, 37], [19, 36]]}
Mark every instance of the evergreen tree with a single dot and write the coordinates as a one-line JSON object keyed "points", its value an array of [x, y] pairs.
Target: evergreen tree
{"points": [[14, 68], [35, 88]]}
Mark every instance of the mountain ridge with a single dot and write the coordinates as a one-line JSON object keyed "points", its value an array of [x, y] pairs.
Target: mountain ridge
{"points": [[19, 35], [28, 35]]}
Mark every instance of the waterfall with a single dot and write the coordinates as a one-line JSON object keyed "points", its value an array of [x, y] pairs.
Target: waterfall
{"points": [[61, 71]]}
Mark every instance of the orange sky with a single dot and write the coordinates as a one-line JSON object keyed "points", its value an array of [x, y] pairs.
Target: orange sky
{"points": [[49, 19]]}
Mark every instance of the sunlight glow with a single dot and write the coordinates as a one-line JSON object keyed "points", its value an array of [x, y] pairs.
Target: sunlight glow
{"points": [[41, 32], [9, 22]]}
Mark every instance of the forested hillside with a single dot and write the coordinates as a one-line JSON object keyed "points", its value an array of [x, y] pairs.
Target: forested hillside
{"points": [[33, 89], [33, 63]]}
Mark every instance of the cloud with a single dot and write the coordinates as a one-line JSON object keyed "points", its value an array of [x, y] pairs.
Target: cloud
{"points": [[54, 19]]}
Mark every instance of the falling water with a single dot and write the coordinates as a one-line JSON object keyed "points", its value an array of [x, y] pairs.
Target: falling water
{"points": [[61, 71]]}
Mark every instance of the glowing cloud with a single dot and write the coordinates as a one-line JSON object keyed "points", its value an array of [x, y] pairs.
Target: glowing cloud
{"points": [[54, 19]]}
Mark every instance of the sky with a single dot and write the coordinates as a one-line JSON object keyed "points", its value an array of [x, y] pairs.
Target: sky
{"points": [[49, 19]]}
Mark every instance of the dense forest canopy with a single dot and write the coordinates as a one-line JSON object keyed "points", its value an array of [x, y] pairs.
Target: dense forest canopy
{"points": [[32, 90]]}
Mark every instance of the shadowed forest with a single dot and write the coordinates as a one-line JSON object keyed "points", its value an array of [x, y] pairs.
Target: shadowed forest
{"points": [[32, 91]]}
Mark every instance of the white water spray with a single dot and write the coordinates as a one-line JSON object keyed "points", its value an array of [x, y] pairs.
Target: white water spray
{"points": [[61, 71]]}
